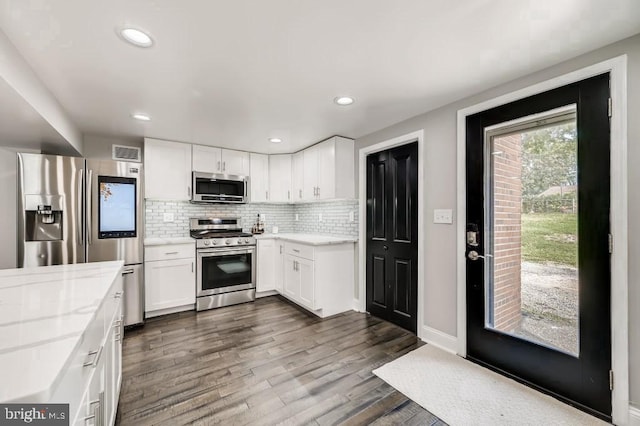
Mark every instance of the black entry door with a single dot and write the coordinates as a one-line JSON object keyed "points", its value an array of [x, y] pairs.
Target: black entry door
{"points": [[538, 266], [392, 235]]}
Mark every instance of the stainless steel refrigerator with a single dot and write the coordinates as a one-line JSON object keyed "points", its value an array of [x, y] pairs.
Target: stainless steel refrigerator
{"points": [[72, 210]]}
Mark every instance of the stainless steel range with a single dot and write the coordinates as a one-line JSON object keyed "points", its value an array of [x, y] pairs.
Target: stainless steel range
{"points": [[226, 262]]}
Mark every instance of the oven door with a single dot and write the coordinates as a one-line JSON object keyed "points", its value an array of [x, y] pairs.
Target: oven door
{"points": [[224, 270]]}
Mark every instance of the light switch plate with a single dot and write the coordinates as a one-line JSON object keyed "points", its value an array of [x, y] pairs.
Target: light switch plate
{"points": [[319, 217], [297, 217], [443, 216], [352, 216], [167, 217]]}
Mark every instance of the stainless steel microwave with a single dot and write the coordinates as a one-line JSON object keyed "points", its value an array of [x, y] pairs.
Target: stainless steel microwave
{"points": [[219, 188]]}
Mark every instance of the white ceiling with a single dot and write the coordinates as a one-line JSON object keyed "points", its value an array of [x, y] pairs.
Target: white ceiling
{"points": [[234, 73]]}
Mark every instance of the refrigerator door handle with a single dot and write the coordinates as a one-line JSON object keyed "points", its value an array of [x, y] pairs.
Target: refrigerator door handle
{"points": [[79, 221], [89, 202]]}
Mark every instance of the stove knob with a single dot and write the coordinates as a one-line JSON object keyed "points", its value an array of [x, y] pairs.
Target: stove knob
{"points": [[214, 242], [247, 240], [228, 242], [206, 242]]}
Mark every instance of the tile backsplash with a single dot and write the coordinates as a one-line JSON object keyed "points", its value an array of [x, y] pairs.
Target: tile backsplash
{"points": [[335, 216]]}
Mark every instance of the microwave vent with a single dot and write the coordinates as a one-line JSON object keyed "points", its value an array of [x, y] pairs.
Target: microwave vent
{"points": [[126, 153]]}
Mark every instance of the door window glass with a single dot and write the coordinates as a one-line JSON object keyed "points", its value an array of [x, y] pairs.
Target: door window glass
{"points": [[531, 228]]}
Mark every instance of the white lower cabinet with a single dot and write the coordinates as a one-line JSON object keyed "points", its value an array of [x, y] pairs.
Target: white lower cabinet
{"points": [[170, 279], [291, 278], [299, 280], [91, 382], [265, 276], [278, 258], [319, 278], [269, 273]]}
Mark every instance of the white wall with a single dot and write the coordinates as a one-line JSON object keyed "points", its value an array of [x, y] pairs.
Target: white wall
{"points": [[21, 77], [8, 206], [99, 147], [439, 189]]}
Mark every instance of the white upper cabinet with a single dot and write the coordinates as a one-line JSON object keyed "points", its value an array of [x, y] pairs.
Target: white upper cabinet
{"points": [[297, 176], [310, 173], [259, 177], [167, 170], [207, 159], [324, 171], [235, 162], [218, 160], [280, 177], [329, 170]]}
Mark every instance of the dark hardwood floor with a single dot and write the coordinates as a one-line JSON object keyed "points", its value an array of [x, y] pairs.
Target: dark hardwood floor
{"points": [[264, 363]]}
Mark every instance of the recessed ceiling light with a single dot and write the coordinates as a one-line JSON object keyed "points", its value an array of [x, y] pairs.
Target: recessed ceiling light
{"points": [[343, 100], [141, 117], [275, 140], [136, 37]]}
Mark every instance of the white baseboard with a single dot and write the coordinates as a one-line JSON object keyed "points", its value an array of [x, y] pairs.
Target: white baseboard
{"points": [[159, 312], [634, 416], [356, 305], [439, 339]]}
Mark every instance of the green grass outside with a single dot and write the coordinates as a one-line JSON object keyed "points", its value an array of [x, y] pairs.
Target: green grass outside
{"points": [[549, 237]]}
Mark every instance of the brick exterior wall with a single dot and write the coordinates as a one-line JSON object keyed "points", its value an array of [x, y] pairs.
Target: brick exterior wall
{"points": [[507, 251]]}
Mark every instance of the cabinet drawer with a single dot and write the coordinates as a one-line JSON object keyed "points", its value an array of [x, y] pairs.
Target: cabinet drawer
{"points": [[300, 250], [171, 251]]}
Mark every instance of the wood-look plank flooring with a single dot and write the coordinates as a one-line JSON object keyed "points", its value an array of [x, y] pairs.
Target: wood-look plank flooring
{"points": [[264, 363]]}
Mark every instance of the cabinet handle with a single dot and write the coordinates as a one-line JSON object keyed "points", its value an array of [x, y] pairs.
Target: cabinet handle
{"points": [[224, 166], [296, 250], [189, 191], [118, 294], [118, 325], [280, 249], [266, 195], [318, 191], [218, 168], [96, 411], [191, 267], [171, 252], [96, 358], [300, 193]]}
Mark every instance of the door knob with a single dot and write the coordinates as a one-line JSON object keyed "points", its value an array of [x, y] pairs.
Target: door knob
{"points": [[473, 255], [385, 247]]}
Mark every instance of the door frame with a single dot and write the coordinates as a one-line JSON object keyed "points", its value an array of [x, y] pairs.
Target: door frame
{"points": [[360, 303], [617, 67]]}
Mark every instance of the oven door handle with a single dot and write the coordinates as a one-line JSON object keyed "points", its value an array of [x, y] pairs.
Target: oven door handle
{"points": [[222, 252]]}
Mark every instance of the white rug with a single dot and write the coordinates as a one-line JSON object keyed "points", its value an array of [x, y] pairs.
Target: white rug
{"points": [[462, 393]]}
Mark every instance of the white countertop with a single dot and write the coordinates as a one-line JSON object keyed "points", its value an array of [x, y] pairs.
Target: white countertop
{"points": [[164, 241], [311, 239], [43, 313]]}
